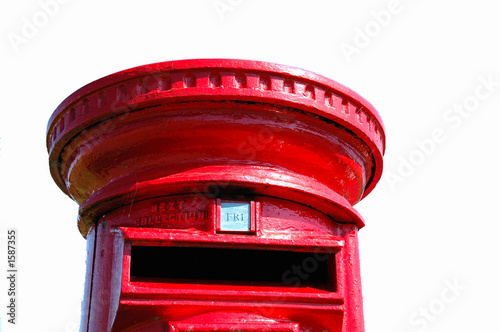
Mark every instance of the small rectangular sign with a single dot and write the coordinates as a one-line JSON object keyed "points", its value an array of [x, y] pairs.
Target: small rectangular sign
{"points": [[235, 216]]}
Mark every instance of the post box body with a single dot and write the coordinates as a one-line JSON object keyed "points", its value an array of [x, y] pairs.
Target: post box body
{"points": [[216, 195]]}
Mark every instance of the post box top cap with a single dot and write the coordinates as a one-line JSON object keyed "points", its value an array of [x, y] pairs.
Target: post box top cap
{"points": [[217, 80]]}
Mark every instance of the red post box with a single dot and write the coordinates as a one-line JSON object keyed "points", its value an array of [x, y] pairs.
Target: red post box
{"points": [[216, 195]]}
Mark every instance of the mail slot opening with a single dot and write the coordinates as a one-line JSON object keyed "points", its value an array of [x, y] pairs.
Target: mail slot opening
{"points": [[233, 266]]}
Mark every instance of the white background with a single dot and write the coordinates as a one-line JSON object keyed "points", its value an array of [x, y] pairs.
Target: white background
{"points": [[432, 225]]}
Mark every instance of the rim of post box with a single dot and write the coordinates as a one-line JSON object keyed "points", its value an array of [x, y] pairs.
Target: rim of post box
{"points": [[311, 93]]}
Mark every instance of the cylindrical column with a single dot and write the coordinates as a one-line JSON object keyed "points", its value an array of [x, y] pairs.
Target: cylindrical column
{"points": [[218, 195]]}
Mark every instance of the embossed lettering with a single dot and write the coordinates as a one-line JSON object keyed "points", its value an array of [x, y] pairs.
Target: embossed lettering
{"points": [[166, 217]]}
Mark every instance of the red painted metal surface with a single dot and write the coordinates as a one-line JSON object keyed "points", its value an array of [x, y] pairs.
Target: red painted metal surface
{"points": [[151, 154]]}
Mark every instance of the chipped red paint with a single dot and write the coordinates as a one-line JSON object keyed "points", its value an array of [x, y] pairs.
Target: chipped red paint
{"points": [[150, 153]]}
